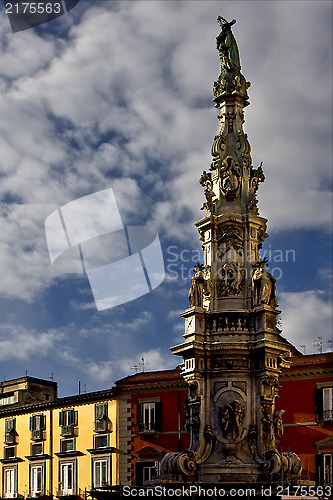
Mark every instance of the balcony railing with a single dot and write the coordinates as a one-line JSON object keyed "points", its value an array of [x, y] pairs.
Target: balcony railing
{"points": [[327, 414]]}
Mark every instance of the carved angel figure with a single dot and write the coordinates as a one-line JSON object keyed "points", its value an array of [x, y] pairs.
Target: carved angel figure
{"points": [[231, 418]]}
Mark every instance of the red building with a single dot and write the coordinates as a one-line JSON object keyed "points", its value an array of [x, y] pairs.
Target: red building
{"points": [[307, 398], [156, 414]]}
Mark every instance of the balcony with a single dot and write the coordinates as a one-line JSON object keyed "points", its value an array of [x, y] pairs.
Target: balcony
{"points": [[327, 415], [101, 425], [37, 435], [67, 430]]}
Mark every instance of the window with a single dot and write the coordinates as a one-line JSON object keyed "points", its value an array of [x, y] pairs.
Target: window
{"points": [[67, 445], [9, 483], [7, 400], [101, 415], [67, 478], [37, 425], [324, 469], [328, 468], [149, 417], [36, 449], [189, 364], [101, 441], [67, 422], [36, 480], [9, 452], [10, 433], [328, 403], [146, 471], [149, 471], [101, 473]]}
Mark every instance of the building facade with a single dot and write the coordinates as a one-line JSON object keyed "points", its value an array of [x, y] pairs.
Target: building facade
{"points": [[306, 398], [87, 445], [60, 447], [156, 403]]}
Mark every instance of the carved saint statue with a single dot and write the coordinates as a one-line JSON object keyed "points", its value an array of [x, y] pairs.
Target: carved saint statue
{"points": [[263, 284], [195, 295], [227, 47]]}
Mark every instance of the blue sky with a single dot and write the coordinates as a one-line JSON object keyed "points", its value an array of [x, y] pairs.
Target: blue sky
{"points": [[118, 95]]}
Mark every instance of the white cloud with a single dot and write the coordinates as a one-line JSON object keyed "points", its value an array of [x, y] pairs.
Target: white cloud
{"points": [[153, 359], [306, 316], [19, 343], [143, 72]]}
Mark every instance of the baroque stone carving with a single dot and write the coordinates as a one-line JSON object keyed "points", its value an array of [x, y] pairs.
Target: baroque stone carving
{"points": [[267, 422], [218, 149], [278, 422], [232, 279], [281, 463], [231, 418], [186, 463], [230, 237], [206, 181], [200, 285], [230, 178], [263, 284], [256, 176], [195, 295], [269, 388], [192, 415], [230, 80]]}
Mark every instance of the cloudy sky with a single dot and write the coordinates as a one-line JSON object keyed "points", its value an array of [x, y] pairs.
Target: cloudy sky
{"points": [[118, 95]]}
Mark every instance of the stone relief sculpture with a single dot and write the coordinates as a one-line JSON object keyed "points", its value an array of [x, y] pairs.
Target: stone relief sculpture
{"points": [[263, 284], [231, 418], [230, 178], [232, 279], [230, 238]]}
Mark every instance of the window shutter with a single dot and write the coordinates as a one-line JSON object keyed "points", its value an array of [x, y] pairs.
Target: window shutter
{"points": [[43, 422], [158, 416], [319, 403], [10, 425], [61, 419], [100, 411], [75, 417], [31, 425], [140, 416]]}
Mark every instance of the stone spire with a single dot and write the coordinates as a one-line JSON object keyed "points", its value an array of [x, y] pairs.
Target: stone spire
{"points": [[233, 352]]}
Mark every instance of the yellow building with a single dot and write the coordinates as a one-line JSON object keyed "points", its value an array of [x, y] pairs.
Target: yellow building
{"points": [[57, 447]]}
